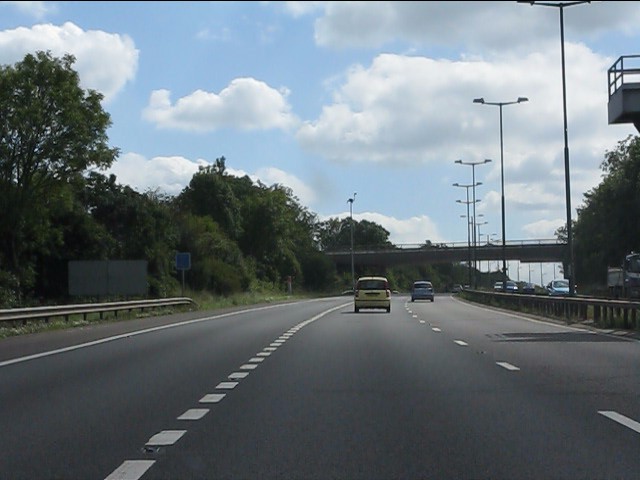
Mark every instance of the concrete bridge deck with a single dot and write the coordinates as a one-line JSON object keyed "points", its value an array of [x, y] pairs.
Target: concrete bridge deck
{"points": [[527, 251]]}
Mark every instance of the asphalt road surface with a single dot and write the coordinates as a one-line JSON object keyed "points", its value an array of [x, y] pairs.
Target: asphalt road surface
{"points": [[312, 390]]}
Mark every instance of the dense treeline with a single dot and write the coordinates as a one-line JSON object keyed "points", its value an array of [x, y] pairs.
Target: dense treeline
{"points": [[608, 226], [57, 206]]}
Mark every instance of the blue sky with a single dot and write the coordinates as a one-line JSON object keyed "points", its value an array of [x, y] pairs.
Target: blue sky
{"points": [[333, 98]]}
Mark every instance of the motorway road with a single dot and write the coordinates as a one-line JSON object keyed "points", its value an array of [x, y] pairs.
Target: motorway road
{"points": [[311, 390]]}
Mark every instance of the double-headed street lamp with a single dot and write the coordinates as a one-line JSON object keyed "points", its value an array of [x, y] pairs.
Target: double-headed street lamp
{"points": [[479, 240], [473, 180], [353, 274], [561, 6], [470, 226], [504, 241]]}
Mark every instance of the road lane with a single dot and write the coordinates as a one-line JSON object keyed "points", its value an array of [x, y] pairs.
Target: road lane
{"points": [[80, 413], [313, 390], [373, 396]]}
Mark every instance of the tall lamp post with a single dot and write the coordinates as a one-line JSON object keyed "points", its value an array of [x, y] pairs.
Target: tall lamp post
{"points": [[469, 224], [353, 274], [479, 237], [561, 6], [473, 180], [504, 240]]}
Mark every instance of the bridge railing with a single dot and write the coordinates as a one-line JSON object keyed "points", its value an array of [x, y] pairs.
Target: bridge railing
{"points": [[444, 245]]}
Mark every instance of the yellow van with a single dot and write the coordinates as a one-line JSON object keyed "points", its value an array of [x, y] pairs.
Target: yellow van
{"points": [[372, 292]]}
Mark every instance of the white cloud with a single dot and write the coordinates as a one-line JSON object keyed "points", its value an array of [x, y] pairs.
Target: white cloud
{"points": [[104, 61], [401, 231], [272, 175], [544, 228], [476, 26], [170, 175], [167, 174], [246, 104]]}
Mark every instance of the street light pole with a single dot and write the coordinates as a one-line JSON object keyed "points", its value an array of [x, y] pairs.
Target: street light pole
{"points": [[468, 240], [473, 180], [479, 237], [353, 274], [470, 224], [571, 273], [504, 241]]}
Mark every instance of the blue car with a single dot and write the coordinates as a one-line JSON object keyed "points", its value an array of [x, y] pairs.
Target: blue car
{"points": [[558, 288], [422, 290]]}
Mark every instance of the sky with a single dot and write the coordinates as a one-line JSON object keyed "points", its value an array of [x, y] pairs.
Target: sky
{"points": [[370, 101]]}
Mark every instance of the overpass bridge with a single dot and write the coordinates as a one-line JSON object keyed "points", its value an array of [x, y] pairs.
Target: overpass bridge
{"points": [[526, 251]]}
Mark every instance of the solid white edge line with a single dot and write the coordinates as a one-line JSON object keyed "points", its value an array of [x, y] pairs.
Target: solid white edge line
{"points": [[131, 470], [149, 330], [621, 419]]}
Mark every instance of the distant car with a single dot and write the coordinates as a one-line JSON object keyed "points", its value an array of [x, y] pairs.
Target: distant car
{"points": [[528, 288], [511, 287], [372, 293], [558, 288], [422, 290]]}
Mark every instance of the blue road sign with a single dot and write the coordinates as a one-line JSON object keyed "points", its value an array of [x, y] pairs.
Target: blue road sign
{"points": [[183, 261]]}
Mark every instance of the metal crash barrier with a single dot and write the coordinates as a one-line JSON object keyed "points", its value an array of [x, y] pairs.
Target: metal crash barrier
{"points": [[602, 312], [25, 315]]}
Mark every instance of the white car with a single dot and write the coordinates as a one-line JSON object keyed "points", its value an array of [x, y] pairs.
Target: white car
{"points": [[511, 287]]}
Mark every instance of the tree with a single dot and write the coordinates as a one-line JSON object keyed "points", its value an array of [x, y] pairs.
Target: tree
{"points": [[210, 192], [606, 227], [50, 130]]}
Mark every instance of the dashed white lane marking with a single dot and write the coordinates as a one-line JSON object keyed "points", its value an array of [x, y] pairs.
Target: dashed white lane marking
{"points": [[621, 419], [263, 354], [131, 470], [436, 329], [275, 344], [194, 414], [508, 366], [166, 437], [414, 316], [135, 469], [461, 343], [256, 360], [422, 321], [149, 330], [212, 397], [227, 385]]}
